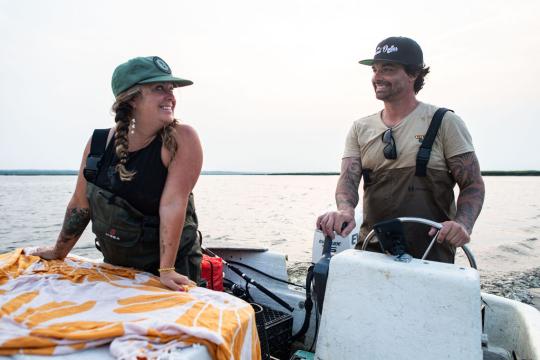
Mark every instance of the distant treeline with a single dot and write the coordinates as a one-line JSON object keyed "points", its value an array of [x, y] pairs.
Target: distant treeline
{"points": [[38, 172], [484, 173], [75, 172], [511, 173]]}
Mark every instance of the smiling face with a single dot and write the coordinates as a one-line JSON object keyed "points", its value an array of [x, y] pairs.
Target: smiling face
{"points": [[156, 103], [391, 82]]}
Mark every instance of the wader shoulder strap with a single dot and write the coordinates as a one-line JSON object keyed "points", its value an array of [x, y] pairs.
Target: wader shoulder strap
{"points": [[424, 152], [97, 149]]}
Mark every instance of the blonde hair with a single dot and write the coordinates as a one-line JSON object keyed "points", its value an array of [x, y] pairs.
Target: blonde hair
{"points": [[123, 115]]}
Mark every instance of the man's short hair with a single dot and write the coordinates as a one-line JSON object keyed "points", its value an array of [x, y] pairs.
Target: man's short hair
{"points": [[420, 72]]}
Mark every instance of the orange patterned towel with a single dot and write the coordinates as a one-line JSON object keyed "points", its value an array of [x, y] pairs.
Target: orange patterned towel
{"points": [[58, 307]]}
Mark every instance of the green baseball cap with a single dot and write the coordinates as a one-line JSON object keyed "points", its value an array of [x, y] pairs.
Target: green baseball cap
{"points": [[143, 70]]}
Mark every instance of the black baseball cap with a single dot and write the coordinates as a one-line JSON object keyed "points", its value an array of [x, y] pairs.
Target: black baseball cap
{"points": [[397, 49]]}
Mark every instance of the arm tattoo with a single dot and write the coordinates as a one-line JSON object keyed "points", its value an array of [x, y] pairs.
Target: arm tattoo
{"points": [[466, 172], [75, 222], [349, 180]]}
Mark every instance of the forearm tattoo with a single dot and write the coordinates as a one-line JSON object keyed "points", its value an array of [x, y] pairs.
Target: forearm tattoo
{"points": [[466, 172], [349, 180], [75, 222]]}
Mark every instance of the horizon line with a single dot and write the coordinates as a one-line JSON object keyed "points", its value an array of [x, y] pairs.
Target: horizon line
{"points": [[38, 172]]}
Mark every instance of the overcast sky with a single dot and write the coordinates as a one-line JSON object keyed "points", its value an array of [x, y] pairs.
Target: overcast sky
{"points": [[277, 82]]}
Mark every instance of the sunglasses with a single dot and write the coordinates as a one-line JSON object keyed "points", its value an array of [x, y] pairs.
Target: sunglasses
{"points": [[389, 151]]}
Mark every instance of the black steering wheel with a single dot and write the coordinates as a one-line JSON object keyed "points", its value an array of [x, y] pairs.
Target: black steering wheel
{"points": [[434, 224]]}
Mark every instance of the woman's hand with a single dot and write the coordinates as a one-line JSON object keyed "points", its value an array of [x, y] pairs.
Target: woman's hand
{"points": [[175, 281], [44, 252]]}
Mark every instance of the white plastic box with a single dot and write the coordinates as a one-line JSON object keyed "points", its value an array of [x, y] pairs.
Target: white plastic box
{"points": [[378, 308]]}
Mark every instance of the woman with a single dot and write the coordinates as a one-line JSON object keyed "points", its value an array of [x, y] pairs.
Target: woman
{"points": [[138, 178]]}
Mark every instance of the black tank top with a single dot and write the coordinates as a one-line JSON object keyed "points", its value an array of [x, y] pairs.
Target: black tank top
{"points": [[145, 189]]}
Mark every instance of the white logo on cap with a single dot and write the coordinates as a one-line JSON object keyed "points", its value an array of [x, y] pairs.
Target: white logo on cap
{"points": [[161, 65], [386, 49]]}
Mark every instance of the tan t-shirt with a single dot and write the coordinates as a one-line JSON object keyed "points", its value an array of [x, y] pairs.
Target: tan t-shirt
{"points": [[393, 190], [365, 139]]}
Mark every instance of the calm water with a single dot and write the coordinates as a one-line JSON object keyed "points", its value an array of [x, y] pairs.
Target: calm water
{"points": [[277, 212]]}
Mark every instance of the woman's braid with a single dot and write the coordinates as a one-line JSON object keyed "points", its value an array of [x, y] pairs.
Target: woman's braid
{"points": [[122, 118]]}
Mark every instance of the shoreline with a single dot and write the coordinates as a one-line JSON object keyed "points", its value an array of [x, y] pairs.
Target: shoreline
{"points": [[523, 286]]}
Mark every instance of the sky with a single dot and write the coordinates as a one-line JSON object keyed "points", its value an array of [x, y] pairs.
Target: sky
{"points": [[277, 83]]}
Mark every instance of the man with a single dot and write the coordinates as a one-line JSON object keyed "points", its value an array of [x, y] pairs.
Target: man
{"points": [[382, 149]]}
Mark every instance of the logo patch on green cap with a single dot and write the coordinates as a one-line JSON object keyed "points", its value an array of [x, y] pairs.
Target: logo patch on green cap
{"points": [[161, 64]]}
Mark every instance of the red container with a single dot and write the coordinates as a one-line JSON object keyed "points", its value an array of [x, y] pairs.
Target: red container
{"points": [[212, 272]]}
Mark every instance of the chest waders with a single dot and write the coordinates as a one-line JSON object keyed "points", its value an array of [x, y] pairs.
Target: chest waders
{"points": [[124, 235], [413, 192]]}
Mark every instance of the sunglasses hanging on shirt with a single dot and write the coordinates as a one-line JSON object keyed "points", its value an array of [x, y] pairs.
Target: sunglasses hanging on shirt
{"points": [[389, 151]]}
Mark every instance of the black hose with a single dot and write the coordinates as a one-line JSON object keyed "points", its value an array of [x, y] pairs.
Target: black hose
{"points": [[316, 328], [308, 306], [265, 274]]}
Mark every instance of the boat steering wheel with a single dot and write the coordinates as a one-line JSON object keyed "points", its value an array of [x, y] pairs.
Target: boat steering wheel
{"points": [[436, 225]]}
